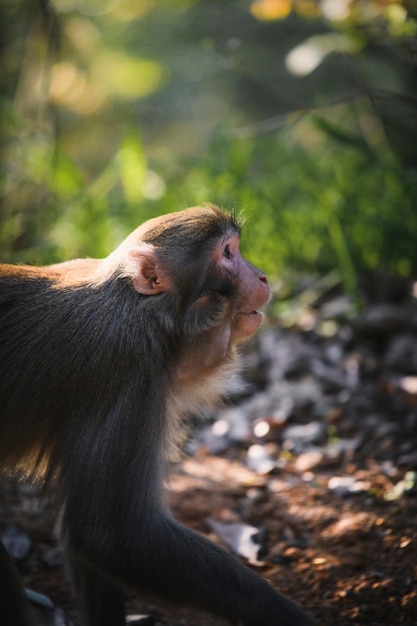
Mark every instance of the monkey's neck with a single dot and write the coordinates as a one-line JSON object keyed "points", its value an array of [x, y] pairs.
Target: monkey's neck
{"points": [[189, 395]]}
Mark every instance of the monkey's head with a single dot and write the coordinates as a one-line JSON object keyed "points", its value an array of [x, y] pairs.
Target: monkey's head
{"points": [[192, 259]]}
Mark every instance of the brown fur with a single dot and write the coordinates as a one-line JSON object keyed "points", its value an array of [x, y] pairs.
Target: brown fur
{"points": [[99, 361]]}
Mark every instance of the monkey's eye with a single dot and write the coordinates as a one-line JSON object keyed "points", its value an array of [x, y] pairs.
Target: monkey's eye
{"points": [[226, 252]]}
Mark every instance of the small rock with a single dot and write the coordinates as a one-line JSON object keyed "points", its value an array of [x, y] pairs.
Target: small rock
{"points": [[140, 620], [308, 460], [53, 558], [259, 460], [344, 485], [313, 432], [16, 542], [244, 540]]}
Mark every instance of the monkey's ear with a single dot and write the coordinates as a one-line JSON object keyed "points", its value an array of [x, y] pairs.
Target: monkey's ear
{"points": [[145, 270]]}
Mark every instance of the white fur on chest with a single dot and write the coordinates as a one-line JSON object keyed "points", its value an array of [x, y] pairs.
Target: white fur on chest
{"points": [[191, 397]]}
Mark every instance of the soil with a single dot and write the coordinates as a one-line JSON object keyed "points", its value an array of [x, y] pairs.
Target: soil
{"points": [[337, 509]]}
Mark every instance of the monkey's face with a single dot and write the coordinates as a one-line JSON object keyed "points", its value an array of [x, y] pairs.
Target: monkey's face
{"points": [[249, 288], [192, 257], [188, 268]]}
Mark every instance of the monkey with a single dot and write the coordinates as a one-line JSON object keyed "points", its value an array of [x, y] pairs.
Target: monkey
{"points": [[99, 361]]}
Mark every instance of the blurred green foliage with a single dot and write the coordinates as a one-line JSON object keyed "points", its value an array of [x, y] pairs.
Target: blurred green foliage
{"points": [[302, 114]]}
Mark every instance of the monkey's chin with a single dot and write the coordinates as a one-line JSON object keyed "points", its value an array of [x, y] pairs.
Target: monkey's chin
{"points": [[246, 325]]}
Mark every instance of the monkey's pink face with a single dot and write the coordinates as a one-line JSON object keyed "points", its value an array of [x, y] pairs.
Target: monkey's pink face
{"points": [[250, 289]]}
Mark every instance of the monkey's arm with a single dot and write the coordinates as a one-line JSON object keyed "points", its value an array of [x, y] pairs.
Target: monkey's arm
{"points": [[170, 560], [137, 542]]}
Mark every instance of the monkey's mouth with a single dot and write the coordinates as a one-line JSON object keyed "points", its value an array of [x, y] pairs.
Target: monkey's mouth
{"points": [[254, 313]]}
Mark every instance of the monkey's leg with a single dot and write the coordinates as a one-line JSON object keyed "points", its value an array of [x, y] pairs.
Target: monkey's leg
{"points": [[14, 608], [100, 600]]}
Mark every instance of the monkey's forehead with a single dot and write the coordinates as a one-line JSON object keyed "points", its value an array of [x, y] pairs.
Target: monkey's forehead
{"points": [[206, 220]]}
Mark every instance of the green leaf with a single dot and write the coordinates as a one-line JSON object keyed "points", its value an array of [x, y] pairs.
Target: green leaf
{"points": [[132, 167]]}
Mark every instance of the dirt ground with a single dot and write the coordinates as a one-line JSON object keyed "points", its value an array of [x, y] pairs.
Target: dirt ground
{"points": [[336, 503], [347, 560]]}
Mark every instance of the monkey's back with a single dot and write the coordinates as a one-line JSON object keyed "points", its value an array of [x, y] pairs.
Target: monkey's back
{"points": [[50, 368]]}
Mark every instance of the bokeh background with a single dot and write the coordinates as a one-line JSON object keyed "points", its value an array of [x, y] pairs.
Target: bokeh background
{"points": [[301, 113]]}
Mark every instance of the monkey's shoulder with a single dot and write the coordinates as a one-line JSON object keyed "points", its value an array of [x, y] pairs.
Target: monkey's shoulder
{"points": [[74, 272]]}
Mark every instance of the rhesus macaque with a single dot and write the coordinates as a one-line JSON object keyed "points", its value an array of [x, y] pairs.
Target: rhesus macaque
{"points": [[99, 360]]}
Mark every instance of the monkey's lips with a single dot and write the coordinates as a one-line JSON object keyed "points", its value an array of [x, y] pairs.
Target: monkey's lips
{"points": [[250, 316]]}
